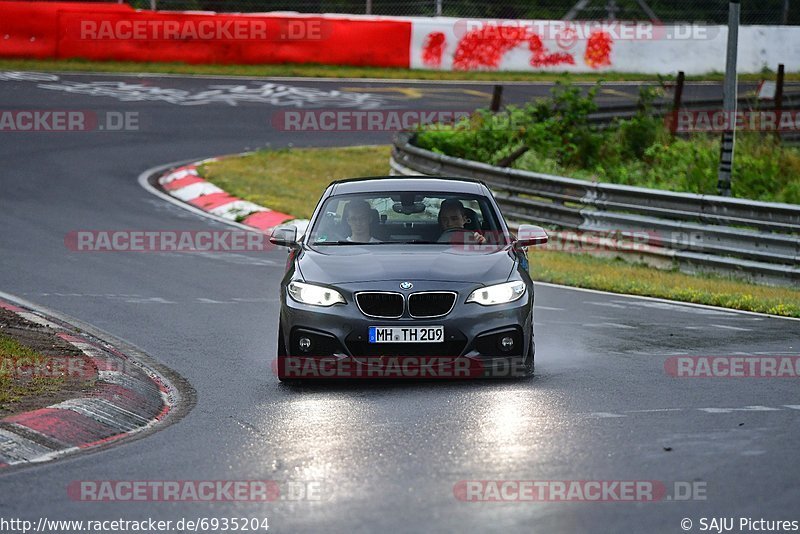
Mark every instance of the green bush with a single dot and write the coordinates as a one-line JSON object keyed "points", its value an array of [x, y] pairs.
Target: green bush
{"points": [[479, 137], [637, 151], [636, 135]]}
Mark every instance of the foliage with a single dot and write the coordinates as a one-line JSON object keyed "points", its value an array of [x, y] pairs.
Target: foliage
{"points": [[636, 151]]}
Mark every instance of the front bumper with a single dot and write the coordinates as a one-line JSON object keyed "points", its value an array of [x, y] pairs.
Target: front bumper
{"points": [[471, 332]]}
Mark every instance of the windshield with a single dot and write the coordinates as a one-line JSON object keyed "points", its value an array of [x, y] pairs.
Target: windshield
{"points": [[419, 218]]}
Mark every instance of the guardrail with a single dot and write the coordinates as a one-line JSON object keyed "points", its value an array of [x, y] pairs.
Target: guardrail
{"points": [[698, 232]]}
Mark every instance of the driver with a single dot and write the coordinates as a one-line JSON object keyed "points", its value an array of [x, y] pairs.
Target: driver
{"points": [[358, 215], [452, 219]]}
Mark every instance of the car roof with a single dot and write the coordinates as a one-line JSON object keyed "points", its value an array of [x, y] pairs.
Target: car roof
{"points": [[373, 184]]}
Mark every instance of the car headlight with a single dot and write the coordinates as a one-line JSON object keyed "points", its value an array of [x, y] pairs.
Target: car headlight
{"points": [[498, 294], [314, 295]]}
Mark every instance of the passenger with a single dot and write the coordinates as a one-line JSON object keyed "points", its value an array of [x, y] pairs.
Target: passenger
{"points": [[452, 220], [358, 215]]}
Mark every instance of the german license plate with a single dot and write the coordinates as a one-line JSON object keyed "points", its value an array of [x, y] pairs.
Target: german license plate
{"points": [[406, 334]]}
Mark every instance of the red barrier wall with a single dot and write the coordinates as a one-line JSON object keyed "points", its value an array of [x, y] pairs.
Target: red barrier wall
{"points": [[59, 30], [32, 28]]}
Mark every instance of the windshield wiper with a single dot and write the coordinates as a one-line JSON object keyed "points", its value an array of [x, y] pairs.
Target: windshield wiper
{"points": [[408, 242], [343, 242]]}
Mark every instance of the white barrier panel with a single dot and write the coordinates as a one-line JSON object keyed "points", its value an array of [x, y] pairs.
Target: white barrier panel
{"points": [[590, 46]]}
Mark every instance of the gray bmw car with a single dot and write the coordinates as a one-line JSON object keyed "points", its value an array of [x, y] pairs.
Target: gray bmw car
{"points": [[408, 277]]}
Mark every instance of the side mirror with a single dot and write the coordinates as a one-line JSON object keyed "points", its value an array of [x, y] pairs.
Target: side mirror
{"points": [[530, 234], [285, 236]]}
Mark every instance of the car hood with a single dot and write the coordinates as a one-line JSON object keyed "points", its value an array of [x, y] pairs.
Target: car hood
{"points": [[369, 263]]}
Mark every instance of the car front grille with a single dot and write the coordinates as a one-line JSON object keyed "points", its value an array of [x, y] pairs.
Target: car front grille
{"points": [[431, 303], [380, 304]]}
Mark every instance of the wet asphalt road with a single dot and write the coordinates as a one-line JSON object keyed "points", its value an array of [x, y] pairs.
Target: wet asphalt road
{"points": [[386, 456]]}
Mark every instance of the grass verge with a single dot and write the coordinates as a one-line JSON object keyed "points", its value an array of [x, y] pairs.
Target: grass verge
{"points": [[291, 180], [15, 387], [335, 71], [617, 276]]}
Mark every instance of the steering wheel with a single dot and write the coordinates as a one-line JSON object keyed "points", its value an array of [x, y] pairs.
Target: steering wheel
{"points": [[456, 235], [453, 230]]}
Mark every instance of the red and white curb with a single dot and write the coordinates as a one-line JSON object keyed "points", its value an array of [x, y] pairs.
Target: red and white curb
{"points": [[128, 398], [186, 185]]}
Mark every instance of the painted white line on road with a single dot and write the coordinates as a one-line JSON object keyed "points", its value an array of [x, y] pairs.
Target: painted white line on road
{"points": [[656, 410], [675, 303], [614, 325], [679, 308], [608, 304], [548, 308], [149, 300], [745, 409], [656, 352], [709, 410], [727, 327]]}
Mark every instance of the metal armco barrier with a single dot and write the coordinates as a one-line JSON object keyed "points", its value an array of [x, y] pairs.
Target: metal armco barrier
{"points": [[760, 240]]}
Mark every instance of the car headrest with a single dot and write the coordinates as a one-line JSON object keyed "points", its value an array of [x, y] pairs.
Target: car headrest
{"points": [[472, 220]]}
